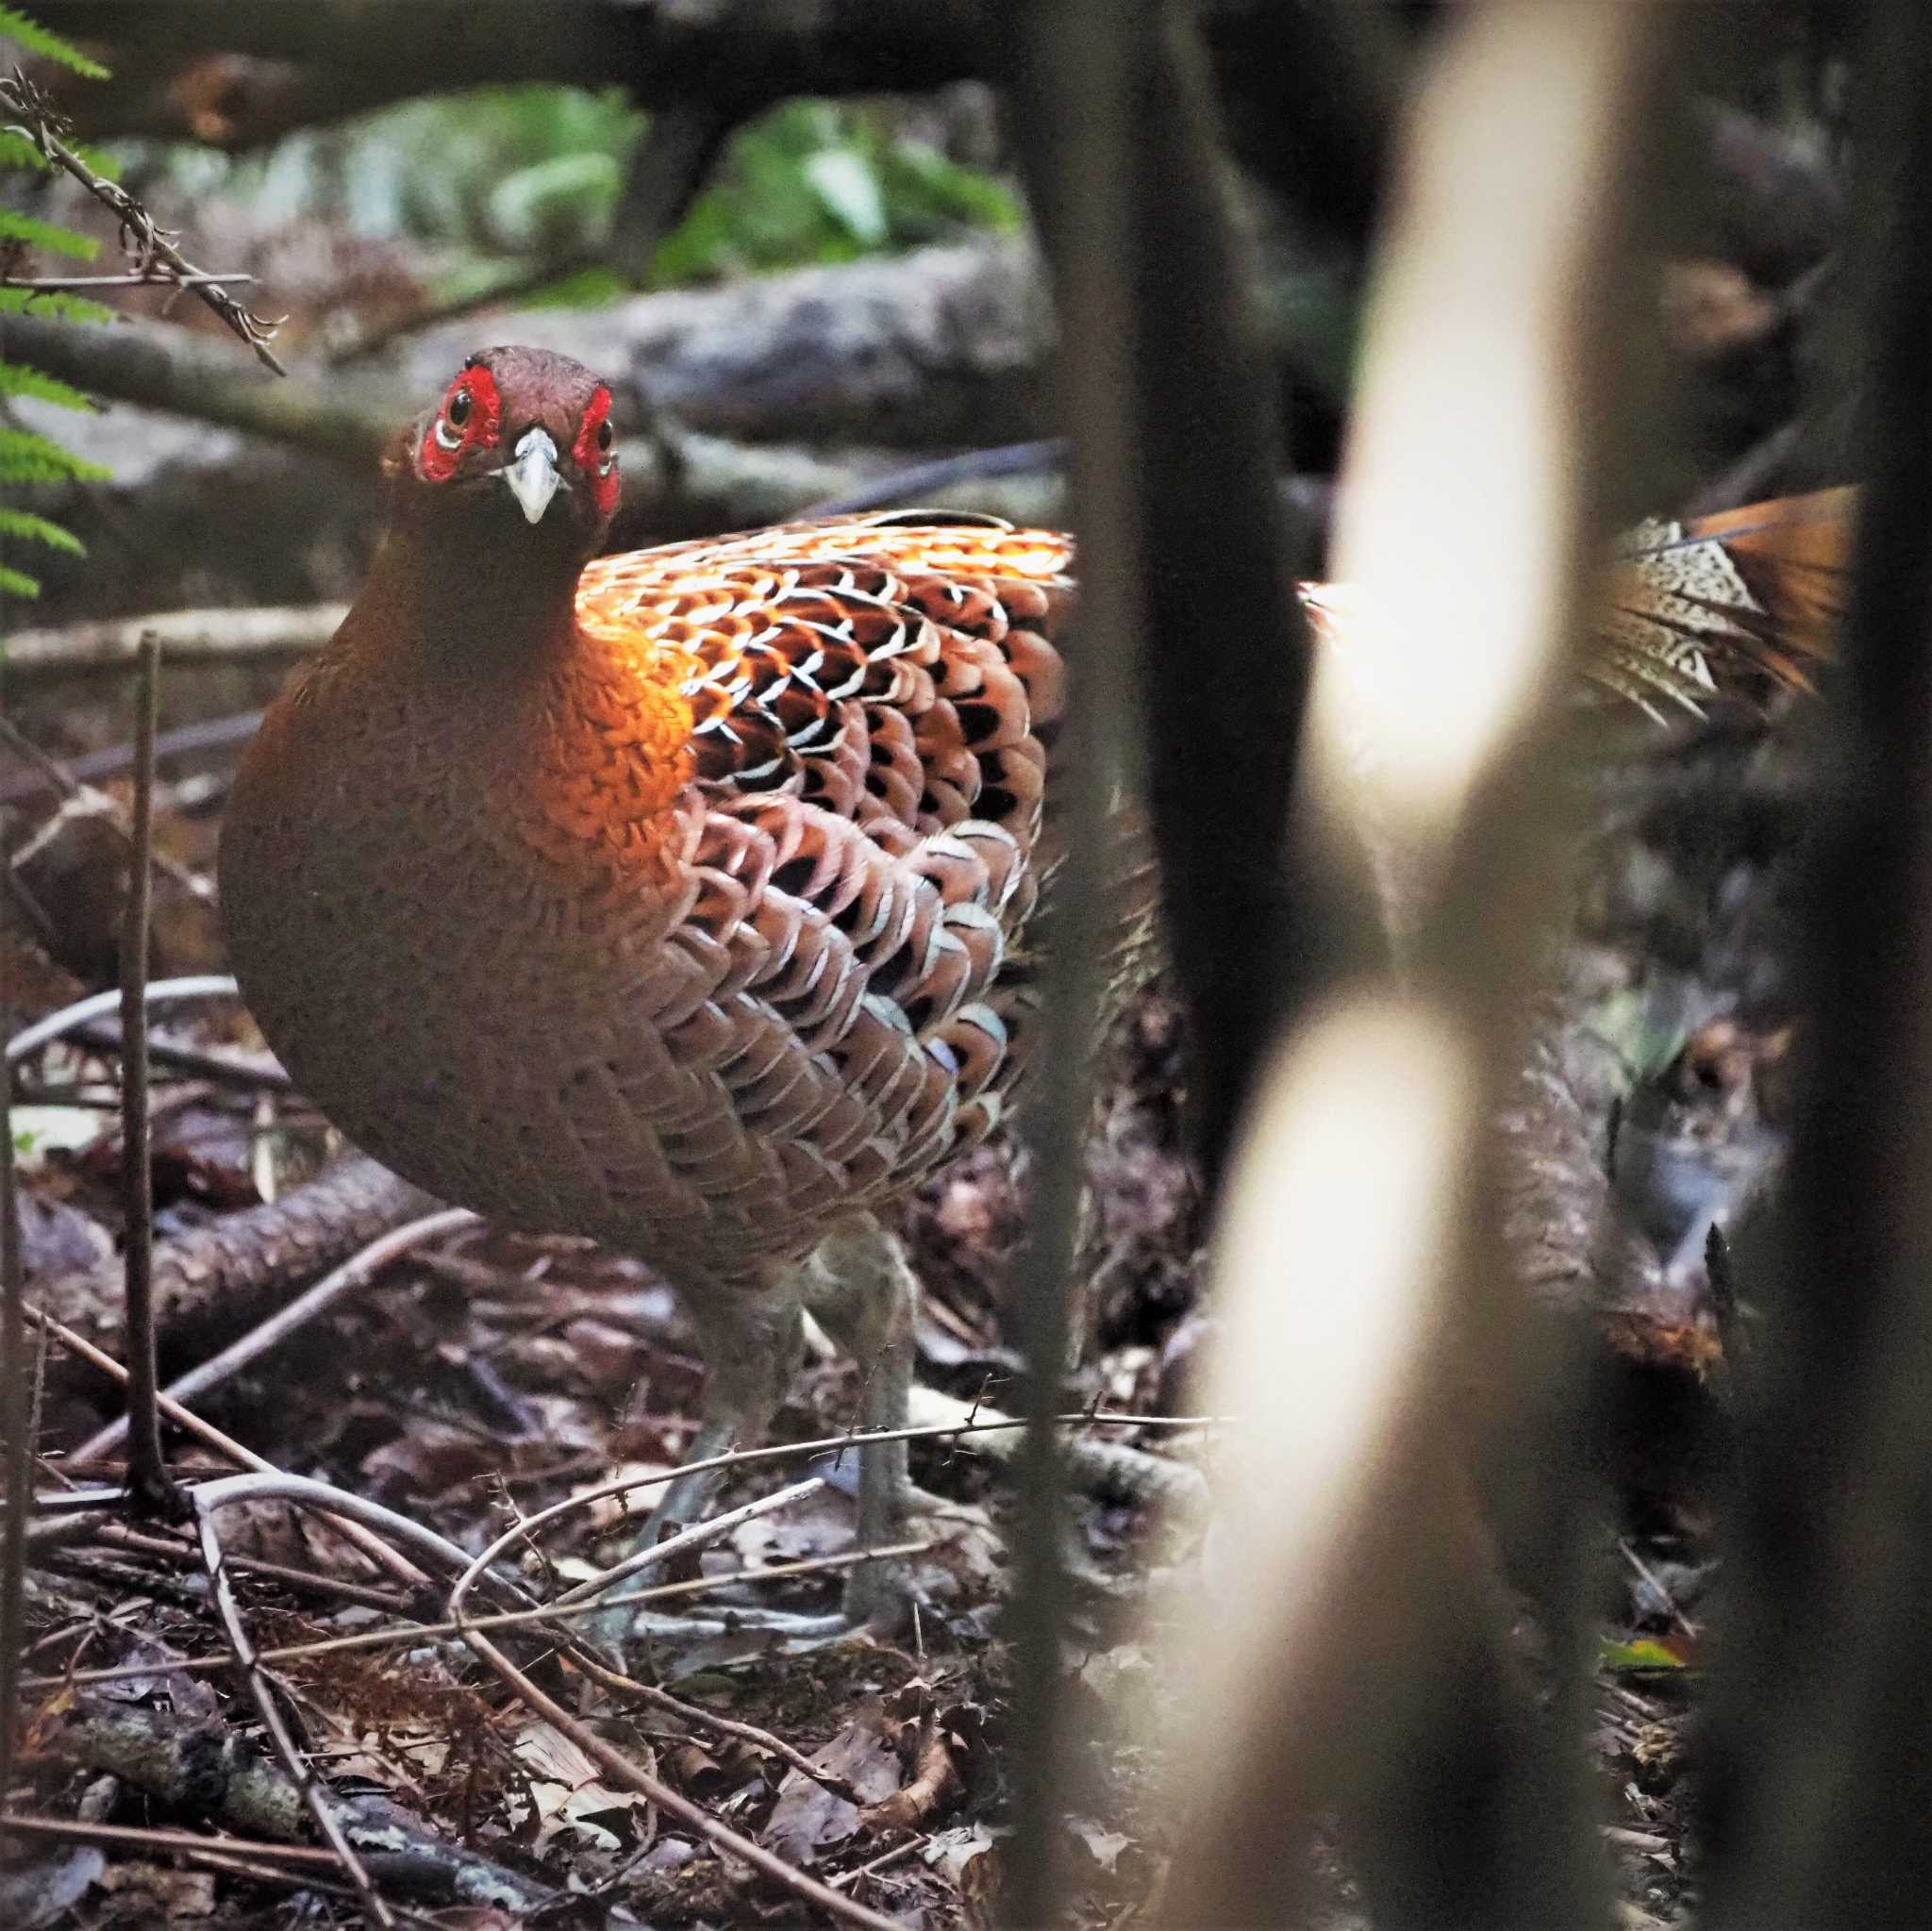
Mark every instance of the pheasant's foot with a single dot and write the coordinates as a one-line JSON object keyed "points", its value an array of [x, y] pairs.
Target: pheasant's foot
{"points": [[882, 1592]]}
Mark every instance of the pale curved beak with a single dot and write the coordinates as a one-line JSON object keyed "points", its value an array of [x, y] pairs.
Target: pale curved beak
{"points": [[531, 474]]}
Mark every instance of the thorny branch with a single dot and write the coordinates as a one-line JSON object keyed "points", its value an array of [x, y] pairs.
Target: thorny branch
{"points": [[148, 246]]}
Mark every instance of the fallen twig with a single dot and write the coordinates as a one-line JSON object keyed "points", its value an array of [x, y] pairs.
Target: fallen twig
{"points": [[153, 1837], [318, 1802], [211, 1283], [411, 1634], [56, 1025], [228, 1066], [186, 1419], [64, 781], [1109, 1468], [354, 1272]]}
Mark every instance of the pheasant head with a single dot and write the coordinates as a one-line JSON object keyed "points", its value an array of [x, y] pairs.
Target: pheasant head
{"points": [[510, 482]]}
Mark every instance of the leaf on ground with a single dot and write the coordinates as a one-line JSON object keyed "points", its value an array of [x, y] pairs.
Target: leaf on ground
{"points": [[47, 1888], [934, 1780], [1103, 1845], [1647, 1653], [152, 1894], [808, 1817], [563, 1791], [431, 1459], [968, 1859]]}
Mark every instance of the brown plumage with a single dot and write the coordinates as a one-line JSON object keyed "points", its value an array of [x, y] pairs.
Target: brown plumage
{"points": [[675, 900], [678, 898]]}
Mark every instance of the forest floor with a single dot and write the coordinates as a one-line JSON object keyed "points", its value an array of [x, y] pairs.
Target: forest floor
{"points": [[486, 1377]]}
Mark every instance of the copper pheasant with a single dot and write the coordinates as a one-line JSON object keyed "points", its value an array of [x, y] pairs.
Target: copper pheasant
{"points": [[679, 898], [674, 899]]}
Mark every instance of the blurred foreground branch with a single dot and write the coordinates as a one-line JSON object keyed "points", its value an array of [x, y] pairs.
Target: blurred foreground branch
{"points": [[1367, 1665]]}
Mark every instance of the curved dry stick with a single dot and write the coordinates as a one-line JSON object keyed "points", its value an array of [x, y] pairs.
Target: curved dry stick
{"points": [[356, 1272], [187, 1420], [722, 1838], [414, 1632], [43, 1032], [693, 1538]]}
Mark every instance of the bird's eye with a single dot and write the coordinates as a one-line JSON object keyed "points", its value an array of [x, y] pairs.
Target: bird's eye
{"points": [[605, 436], [449, 426]]}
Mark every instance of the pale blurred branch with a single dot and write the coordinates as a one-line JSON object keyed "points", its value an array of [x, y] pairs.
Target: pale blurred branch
{"points": [[1357, 1652]]}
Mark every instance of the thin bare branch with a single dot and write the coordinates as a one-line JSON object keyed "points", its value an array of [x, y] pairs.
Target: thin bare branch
{"points": [[320, 1805], [147, 1472], [544, 1616], [189, 1423], [66, 284], [151, 247], [355, 1273], [151, 1838]]}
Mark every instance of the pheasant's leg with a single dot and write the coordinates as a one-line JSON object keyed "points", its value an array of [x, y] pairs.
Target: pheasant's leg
{"points": [[752, 1341], [862, 1289], [687, 1493]]}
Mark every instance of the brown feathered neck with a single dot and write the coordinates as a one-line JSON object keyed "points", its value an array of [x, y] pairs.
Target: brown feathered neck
{"points": [[472, 586]]}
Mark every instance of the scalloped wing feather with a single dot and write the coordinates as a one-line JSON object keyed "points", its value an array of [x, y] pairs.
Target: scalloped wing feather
{"points": [[873, 701]]}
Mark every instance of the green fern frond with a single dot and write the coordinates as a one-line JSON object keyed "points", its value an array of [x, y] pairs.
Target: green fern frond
{"points": [[54, 304], [17, 151], [25, 458], [15, 227], [28, 458], [37, 529], [17, 379], [31, 35]]}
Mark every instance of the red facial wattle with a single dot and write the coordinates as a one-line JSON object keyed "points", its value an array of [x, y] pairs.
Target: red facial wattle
{"points": [[471, 418], [596, 451]]}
